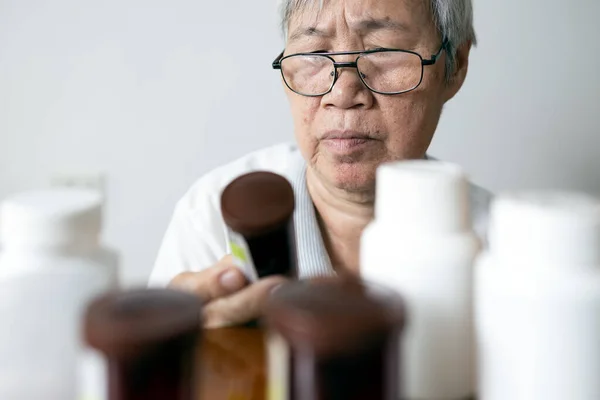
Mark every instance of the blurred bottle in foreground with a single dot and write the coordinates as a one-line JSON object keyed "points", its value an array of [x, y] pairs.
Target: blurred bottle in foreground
{"points": [[52, 263], [258, 209], [149, 338], [538, 298], [333, 340], [422, 244]]}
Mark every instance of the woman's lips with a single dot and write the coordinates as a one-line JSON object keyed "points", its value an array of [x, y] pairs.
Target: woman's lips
{"points": [[343, 143]]}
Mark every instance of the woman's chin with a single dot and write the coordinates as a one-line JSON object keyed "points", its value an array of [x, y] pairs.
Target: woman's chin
{"points": [[355, 177]]}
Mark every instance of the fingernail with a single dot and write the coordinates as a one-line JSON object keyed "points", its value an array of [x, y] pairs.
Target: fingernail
{"points": [[232, 280], [276, 288]]}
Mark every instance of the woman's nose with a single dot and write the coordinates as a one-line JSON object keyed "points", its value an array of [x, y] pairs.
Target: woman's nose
{"points": [[348, 90]]}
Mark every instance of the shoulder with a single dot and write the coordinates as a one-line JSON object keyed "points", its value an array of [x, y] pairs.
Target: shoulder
{"points": [[201, 204], [196, 237], [280, 158], [480, 199]]}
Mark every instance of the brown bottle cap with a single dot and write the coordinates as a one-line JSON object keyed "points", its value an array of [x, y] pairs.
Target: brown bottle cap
{"points": [[257, 203], [332, 316], [124, 324]]}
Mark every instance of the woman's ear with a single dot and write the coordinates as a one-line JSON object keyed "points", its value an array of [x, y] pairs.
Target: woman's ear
{"points": [[459, 73]]}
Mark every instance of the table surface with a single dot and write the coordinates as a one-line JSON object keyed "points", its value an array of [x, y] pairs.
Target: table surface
{"points": [[232, 364]]}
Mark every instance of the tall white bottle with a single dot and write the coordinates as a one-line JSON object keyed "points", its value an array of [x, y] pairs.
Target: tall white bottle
{"points": [[421, 243], [538, 298], [52, 263]]}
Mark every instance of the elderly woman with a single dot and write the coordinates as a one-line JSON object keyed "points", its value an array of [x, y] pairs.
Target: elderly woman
{"points": [[366, 81]]}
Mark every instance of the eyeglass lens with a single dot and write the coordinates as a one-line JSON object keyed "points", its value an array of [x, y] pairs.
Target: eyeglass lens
{"points": [[384, 72]]}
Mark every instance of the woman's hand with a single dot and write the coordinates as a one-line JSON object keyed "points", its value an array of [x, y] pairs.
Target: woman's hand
{"points": [[228, 297]]}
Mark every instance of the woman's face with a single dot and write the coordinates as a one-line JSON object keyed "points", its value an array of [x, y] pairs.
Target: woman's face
{"points": [[345, 134]]}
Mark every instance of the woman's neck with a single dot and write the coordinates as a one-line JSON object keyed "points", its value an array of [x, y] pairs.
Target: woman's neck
{"points": [[342, 216]]}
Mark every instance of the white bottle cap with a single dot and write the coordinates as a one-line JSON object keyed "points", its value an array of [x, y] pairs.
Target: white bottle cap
{"points": [[51, 218], [556, 228], [422, 195]]}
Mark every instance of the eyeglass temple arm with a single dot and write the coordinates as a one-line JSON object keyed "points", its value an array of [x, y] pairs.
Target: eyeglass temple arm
{"points": [[277, 63], [434, 57]]}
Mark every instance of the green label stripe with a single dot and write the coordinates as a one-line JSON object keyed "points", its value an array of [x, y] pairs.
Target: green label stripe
{"points": [[238, 252]]}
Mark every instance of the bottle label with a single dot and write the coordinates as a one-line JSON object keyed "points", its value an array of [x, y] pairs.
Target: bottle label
{"points": [[92, 375], [241, 254], [278, 373]]}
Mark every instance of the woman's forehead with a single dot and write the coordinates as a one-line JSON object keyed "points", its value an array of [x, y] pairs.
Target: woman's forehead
{"points": [[309, 16]]}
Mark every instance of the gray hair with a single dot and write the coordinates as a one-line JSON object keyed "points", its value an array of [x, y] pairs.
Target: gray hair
{"points": [[453, 18]]}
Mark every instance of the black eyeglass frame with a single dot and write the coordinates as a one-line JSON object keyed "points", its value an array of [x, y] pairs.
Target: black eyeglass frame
{"points": [[424, 62]]}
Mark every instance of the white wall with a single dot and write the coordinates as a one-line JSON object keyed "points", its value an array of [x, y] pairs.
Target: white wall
{"points": [[528, 114], [157, 92]]}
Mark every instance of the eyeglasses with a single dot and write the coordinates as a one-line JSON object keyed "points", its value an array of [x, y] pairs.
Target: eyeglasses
{"points": [[383, 71]]}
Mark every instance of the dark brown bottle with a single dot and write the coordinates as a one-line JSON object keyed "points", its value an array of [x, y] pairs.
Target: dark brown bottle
{"points": [[333, 339], [149, 339], [258, 208]]}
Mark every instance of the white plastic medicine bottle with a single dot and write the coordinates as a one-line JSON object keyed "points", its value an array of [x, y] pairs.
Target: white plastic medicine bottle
{"points": [[538, 298], [422, 244], [51, 264]]}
